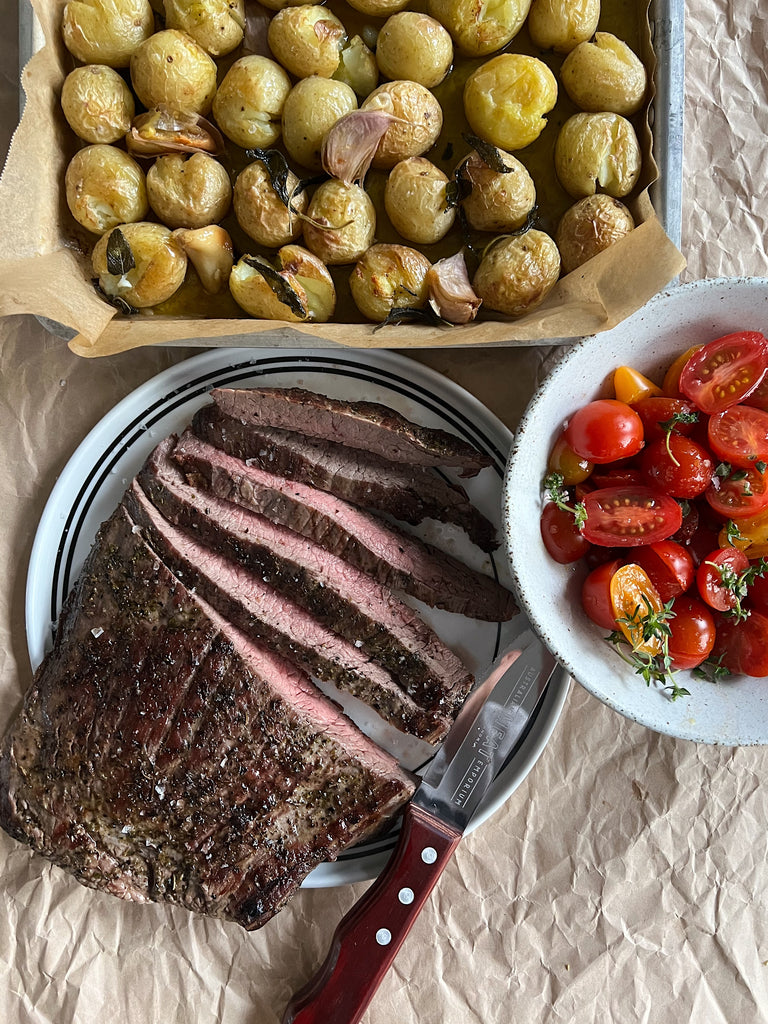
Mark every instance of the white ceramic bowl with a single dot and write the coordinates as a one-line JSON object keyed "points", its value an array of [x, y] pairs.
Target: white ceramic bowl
{"points": [[734, 711]]}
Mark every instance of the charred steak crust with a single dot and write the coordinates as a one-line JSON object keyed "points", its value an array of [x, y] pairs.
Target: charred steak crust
{"points": [[409, 493], [366, 425], [341, 597], [267, 616], [221, 778], [395, 558]]}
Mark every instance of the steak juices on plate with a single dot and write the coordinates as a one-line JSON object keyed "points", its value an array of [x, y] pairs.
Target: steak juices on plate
{"points": [[172, 746]]}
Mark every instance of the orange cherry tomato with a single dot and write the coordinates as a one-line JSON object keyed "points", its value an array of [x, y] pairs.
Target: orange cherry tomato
{"points": [[564, 460], [671, 385], [631, 386], [633, 598]]}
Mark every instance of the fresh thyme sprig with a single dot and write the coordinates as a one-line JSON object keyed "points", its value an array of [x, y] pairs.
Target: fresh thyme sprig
{"points": [[654, 634], [738, 584], [668, 426], [555, 490]]}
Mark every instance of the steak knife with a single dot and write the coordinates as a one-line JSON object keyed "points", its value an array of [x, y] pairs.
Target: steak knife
{"points": [[484, 734]]}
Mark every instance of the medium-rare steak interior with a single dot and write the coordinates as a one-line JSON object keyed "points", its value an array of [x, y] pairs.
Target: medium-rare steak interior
{"points": [[161, 755], [174, 745]]}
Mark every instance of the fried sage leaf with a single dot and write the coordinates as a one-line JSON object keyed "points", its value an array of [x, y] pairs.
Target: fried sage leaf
{"points": [[413, 314], [120, 258], [490, 154], [114, 300], [279, 285]]}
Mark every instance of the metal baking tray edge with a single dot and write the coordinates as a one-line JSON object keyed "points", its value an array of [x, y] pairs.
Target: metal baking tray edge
{"points": [[666, 113]]}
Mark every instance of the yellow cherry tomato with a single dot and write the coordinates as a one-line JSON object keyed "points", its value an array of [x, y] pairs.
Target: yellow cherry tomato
{"points": [[631, 386], [752, 539], [671, 385], [564, 460], [633, 598]]}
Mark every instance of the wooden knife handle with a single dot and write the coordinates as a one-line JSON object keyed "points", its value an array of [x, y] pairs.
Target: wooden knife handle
{"points": [[369, 936]]}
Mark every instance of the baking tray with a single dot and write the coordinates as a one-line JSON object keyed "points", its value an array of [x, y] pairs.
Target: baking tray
{"points": [[665, 116]]}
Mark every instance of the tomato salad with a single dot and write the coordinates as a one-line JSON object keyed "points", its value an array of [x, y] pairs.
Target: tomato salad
{"points": [[662, 491]]}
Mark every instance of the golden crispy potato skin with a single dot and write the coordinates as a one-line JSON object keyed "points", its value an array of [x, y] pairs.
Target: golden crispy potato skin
{"points": [[517, 273], [597, 151], [171, 69], [605, 74], [419, 121], [387, 277], [562, 24], [506, 98], [106, 31], [500, 200], [105, 187], [160, 265], [302, 272], [416, 203], [415, 47], [97, 104], [248, 105], [342, 222], [188, 192], [590, 226]]}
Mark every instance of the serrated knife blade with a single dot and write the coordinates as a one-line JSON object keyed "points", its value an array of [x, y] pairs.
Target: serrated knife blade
{"points": [[483, 736]]}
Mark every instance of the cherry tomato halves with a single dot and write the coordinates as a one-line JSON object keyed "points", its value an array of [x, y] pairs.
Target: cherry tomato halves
{"points": [[712, 572], [724, 371], [630, 516], [633, 598], [741, 495], [669, 567], [742, 647], [605, 430], [739, 435]]}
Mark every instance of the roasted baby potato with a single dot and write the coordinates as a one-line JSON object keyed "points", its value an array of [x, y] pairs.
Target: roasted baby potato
{"points": [[415, 47], [307, 40], [296, 287], [499, 200], [145, 269], [170, 69], [480, 28], [416, 201], [419, 120], [106, 31], [517, 273], [311, 109], [97, 104], [105, 187], [248, 105], [341, 222], [588, 227], [188, 191], [217, 25], [262, 213], [506, 98], [562, 24], [597, 151], [387, 277], [605, 74]]}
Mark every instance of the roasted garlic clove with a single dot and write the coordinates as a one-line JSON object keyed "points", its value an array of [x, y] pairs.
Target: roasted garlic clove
{"points": [[209, 250], [163, 130], [450, 290], [350, 145]]}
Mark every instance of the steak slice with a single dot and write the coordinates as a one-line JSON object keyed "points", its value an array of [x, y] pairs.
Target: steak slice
{"points": [[228, 776], [365, 425], [411, 494], [395, 558], [271, 618], [340, 596]]}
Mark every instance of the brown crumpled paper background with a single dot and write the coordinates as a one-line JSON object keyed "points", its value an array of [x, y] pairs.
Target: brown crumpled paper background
{"points": [[626, 879]]}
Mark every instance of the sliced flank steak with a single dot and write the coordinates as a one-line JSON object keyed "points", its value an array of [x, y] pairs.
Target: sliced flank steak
{"points": [[368, 426], [265, 615], [340, 596], [161, 755], [393, 557], [411, 494]]}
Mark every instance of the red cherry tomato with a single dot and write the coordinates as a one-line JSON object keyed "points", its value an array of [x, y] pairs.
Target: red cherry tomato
{"points": [[615, 476], [655, 411], [725, 371], [759, 397], [742, 647], [709, 577], [605, 430], [741, 495], [692, 632], [739, 435], [630, 516], [561, 536], [669, 567], [596, 594], [677, 466]]}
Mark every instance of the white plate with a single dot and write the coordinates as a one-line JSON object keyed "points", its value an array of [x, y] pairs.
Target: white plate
{"points": [[94, 479], [731, 712]]}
